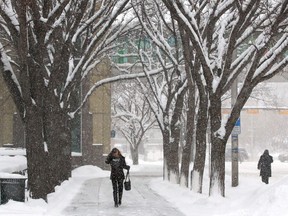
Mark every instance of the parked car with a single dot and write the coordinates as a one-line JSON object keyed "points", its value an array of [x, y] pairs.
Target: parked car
{"points": [[242, 154], [283, 157]]}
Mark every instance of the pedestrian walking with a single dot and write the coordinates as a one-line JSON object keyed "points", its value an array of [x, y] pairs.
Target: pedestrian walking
{"points": [[117, 163], [264, 165]]}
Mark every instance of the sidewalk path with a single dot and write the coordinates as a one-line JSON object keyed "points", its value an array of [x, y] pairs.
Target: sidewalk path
{"points": [[96, 199]]}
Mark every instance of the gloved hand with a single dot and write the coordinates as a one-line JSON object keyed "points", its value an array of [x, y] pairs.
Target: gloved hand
{"points": [[108, 159]]}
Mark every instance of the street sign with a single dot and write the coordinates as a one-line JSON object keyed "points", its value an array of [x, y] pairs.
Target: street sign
{"points": [[237, 128]]}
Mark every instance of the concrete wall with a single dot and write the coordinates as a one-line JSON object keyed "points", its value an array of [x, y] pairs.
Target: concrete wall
{"points": [[100, 107]]}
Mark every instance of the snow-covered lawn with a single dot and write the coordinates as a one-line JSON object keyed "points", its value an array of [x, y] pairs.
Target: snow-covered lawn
{"points": [[250, 198]]}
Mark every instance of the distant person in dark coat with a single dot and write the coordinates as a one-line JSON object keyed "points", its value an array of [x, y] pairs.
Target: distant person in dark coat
{"points": [[264, 165], [118, 163]]}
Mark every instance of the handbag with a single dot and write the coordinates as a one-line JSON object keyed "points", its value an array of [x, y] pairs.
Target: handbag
{"points": [[127, 182]]}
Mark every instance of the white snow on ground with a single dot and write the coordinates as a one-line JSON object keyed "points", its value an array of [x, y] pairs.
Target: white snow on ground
{"points": [[250, 198]]}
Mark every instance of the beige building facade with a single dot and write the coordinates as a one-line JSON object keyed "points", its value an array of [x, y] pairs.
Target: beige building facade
{"points": [[91, 130], [7, 110]]}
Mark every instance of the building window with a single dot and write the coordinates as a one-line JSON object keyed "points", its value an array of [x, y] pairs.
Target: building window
{"points": [[75, 123]]}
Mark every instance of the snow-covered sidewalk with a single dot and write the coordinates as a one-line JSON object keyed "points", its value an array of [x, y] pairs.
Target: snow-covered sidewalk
{"points": [[95, 198], [89, 192]]}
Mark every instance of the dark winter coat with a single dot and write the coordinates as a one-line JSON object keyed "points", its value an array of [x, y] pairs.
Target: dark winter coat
{"points": [[117, 166], [264, 164]]}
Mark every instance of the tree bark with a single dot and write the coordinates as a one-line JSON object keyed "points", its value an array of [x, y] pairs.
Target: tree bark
{"points": [[171, 160], [187, 152], [173, 155], [166, 163], [218, 145], [200, 154], [217, 174], [48, 144], [134, 154], [37, 158], [58, 139], [173, 149]]}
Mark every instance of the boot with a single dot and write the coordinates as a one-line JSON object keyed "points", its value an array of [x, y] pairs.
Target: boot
{"points": [[120, 198], [115, 199]]}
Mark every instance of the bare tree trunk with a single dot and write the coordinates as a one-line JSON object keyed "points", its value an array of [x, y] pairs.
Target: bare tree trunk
{"points": [[185, 164], [166, 151], [173, 155], [58, 139], [134, 154], [199, 161], [48, 147], [37, 158], [218, 144], [217, 175], [200, 154], [187, 153], [171, 160], [192, 69]]}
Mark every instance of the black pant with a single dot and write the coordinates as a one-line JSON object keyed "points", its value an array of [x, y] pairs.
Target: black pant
{"points": [[265, 179], [117, 190]]}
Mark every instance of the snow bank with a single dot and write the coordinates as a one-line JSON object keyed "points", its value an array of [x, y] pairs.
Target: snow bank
{"points": [[90, 171], [65, 193], [10, 164], [250, 198]]}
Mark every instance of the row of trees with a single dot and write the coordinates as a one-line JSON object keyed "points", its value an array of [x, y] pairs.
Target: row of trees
{"points": [[131, 115], [211, 33], [49, 47], [213, 45]]}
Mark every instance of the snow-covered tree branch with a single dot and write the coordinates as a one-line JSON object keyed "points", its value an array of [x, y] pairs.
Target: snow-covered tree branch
{"points": [[47, 49], [229, 40], [132, 115]]}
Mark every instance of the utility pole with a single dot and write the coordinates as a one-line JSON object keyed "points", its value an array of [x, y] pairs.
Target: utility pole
{"points": [[234, 138]]}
